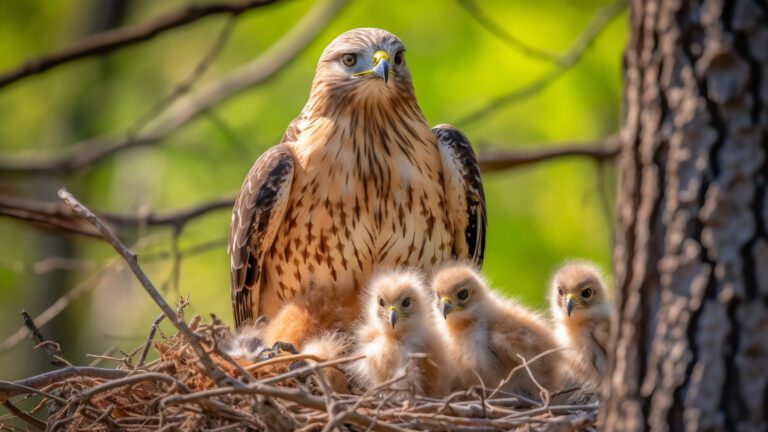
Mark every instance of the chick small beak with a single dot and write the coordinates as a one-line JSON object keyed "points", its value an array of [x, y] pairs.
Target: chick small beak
{"points": [[569, 303], [447, 306], [393, 316], [381, 65]]}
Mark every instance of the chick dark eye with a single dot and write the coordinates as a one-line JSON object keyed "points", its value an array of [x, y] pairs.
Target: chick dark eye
{"points": [[560, 291], [399, 58], [407, 302], [462, 295], [381, 302], [586, 293], [349, 60]]}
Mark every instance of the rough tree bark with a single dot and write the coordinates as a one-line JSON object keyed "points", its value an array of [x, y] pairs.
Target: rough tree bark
{"points": [[691, 253]]}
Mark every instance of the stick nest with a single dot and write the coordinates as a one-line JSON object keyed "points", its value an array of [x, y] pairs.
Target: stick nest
{"points": [[283, 392]]}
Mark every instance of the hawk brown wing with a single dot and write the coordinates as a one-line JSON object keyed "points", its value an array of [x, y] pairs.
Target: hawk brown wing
{"points": [[464, 191], [256, 217]]}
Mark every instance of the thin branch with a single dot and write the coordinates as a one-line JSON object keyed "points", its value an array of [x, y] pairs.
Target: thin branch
{"points": [[28, 419], [51, 348], [95, 280], [599, 22], [59, 216], [211, 368], [499, 160], [296, 395], [487, 22], [103, 43], [59, 305], [33, 384], [87, 154], [56, 215], [148, 343], [185, 86]]}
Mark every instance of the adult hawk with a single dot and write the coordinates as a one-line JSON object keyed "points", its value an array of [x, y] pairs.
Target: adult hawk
{"points": [[358, 181]]}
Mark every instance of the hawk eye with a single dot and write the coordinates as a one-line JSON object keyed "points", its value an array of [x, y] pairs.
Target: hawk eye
{"points": [[349, 60], [463, 294], [560, 291], [407, 302], [586, 293], [399, 58], [381, 302]]}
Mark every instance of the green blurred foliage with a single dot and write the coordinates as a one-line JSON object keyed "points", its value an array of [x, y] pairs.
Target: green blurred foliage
{"points": [[538, 216]]}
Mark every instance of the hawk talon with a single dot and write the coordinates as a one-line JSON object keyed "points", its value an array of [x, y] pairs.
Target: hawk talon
{"points": [[284, 346], [297, 364]]}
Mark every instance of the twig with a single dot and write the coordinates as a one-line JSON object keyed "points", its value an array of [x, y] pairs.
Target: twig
{"points": [[59, 216], [291, 394], [543, 392], [51, 348], [211, 368], [28, 419], [498, 160], [599, 22], [305, 369], [60, 304], [55, 215], [148, 343], [185, 86], [487, 22], [34, 384], [281, 359], [102, 43], [173, 278], [99, 358], [524, 365], [88, 153], [129, 380]]}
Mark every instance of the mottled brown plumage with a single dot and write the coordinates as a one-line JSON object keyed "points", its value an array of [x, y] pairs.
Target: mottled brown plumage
{"points": [[359, 180]]}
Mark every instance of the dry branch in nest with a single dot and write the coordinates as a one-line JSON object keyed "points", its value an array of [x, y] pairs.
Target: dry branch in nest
{"points": [[195, 385], [175, 391]]}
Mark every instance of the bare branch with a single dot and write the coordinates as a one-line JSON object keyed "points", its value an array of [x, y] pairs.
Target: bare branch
{"points": [[61, 304], [51, 348], [103, 43], [599, 22], [56, 215], [12, 388], [148, 343], [498, 160], [59, 216], [88, 153], [211, 368], [487, 22], [28, 419]]}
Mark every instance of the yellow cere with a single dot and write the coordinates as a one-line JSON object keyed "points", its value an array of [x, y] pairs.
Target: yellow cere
{"points": [[378, 55]]}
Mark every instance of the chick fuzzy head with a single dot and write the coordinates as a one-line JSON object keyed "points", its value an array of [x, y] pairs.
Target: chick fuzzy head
{"points": [[577, 291], [397, 301], [460, 291]]}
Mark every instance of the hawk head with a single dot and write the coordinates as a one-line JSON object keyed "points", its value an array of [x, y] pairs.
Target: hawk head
{"points": [[578, 292], [363, 63]]}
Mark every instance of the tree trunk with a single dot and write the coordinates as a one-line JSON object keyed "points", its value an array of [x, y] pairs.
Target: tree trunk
{"points": [[691, 253]]}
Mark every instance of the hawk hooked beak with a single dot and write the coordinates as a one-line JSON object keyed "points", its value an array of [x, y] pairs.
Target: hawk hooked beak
{"points": [[570, 301], [393, 316], [447, 306], [381, 65]]}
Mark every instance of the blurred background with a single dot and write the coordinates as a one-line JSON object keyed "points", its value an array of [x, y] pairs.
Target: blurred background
{"points": [[463, 56]]}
